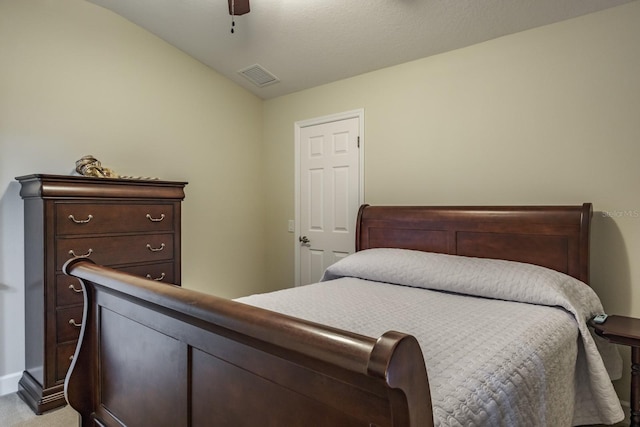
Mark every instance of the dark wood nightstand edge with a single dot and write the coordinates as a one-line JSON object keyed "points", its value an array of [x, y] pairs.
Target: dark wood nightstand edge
{"points": [[625, 331]]}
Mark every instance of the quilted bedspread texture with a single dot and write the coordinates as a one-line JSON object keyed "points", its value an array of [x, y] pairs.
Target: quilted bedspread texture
{"points": [[505, 343]]}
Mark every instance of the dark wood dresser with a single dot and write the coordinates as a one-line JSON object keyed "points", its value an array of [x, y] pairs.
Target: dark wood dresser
{"points": [[130, 225]]}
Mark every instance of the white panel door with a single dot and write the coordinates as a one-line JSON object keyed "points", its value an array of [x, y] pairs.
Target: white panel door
{"points": [[329, 194]]}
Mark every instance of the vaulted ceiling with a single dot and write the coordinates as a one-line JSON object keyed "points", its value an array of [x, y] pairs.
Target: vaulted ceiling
{"points": [[306, 43]]}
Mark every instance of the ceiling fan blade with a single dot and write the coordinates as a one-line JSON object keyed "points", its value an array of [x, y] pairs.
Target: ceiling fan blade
{"points": [[240, 7]]}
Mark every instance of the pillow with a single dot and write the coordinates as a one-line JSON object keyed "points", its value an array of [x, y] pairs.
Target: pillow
{"points": [[482, 277]]}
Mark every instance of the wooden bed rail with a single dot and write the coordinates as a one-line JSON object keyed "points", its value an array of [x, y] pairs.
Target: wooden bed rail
{"points": [[152, 354]]}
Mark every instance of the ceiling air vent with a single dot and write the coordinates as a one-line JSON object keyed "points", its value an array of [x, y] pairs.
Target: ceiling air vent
{"points": [[258, 76]]}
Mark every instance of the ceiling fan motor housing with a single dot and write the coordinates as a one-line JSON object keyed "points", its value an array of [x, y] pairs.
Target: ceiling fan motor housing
{"points": [[238, 7]]}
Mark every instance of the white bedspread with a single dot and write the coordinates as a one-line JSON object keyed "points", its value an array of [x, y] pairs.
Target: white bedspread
{"points": [[505, 344]]}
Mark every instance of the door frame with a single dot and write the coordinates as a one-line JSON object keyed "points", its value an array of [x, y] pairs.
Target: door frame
{"points": [[359, 114]]}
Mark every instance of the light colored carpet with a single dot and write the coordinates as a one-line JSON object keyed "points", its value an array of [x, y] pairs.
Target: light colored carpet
{"points": [[15, 413]]}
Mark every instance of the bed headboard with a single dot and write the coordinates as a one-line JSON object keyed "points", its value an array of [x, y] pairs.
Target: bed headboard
{"points": [[555, 237]]}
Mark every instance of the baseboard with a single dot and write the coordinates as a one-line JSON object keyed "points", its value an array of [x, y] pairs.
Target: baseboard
{"points": [[9, 383]]}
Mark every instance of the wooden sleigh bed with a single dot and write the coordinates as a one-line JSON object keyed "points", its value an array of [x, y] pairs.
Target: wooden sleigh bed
{"points": [[162, 355]]}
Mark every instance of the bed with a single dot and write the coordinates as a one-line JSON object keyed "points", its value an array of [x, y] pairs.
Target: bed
{"points": [[444, 316]]}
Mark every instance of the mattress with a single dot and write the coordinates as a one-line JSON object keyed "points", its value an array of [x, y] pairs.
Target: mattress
{"points": [[505, 344]]}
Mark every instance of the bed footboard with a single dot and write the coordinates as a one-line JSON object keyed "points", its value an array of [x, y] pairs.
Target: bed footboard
{"points": [[162, 355]]}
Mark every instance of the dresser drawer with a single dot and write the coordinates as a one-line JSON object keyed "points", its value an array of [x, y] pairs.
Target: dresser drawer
{"points": [[115, 250], [159, 272], [64, 354], [95, 218], [68, 322], [68, 291]]}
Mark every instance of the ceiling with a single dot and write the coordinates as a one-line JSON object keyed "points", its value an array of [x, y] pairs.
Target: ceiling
{"points": [[306, 43]]}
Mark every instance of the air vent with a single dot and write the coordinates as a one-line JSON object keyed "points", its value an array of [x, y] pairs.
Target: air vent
{"points": [[258, 76]]}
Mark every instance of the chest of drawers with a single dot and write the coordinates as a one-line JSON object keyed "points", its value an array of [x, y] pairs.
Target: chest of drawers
{"points": [[130, 225]]}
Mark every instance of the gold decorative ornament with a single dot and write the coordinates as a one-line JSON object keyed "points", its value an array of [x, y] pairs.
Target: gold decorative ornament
{"points": [[90, 166]]}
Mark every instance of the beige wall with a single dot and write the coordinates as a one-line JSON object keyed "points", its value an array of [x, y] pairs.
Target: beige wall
{"points": [[76, 79], [547, 116]]}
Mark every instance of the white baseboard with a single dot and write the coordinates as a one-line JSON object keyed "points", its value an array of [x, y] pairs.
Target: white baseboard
{"points": [[9, 383]]}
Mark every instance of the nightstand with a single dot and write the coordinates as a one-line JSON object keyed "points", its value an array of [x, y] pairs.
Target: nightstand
{"points": [[625, 331]]}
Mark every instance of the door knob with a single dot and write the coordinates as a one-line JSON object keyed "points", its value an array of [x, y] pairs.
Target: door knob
{"points": [[304, 239]]}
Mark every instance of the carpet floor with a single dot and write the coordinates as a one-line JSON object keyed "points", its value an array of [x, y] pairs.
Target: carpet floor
{"points": [[15, 413]]}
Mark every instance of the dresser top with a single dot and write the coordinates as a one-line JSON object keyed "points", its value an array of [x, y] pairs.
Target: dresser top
{"points": [[76, 186]]}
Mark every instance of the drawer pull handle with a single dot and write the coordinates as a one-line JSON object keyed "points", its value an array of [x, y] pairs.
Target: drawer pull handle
{"points": [[80, 221], [155, 219], [73, 323], [71, 357], [73, 288], [157, 279], [155, 249], [87, 255]]}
